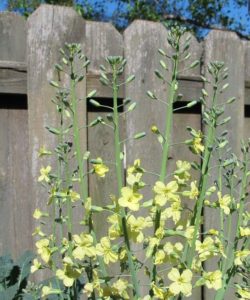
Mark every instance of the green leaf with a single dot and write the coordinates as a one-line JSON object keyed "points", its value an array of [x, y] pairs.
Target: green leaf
{"points": [[132, 106], [91, 94], [159, 75], [94, 103], [139, 135], [130, 79], [24, 262], [54, 84], [192, 103], [53, 130]]}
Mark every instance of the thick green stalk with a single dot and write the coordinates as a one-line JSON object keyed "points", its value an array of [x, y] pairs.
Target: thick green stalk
{"points": [[165, 154], [119, 173], [83, 182]]}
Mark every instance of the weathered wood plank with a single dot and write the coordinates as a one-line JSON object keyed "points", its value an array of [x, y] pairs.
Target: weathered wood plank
{"points": [[49, 28], [227, 47], [15, 235]]}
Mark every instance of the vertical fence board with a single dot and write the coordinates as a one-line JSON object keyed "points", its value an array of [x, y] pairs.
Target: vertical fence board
{"points": [[49, 28], [14, 167], [103, 40], [227, 47]]}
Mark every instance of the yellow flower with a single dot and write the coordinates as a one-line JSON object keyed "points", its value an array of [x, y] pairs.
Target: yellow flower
{"points": [[135, 174], [181, 282], [83, 246], [38, 231], [88, 288], [43, 151], [224, 203], [69, 273], [196, 145], [206, 249], [181, 174], [244, 293], [244, 231], [114, 230], [119, 288], [129, 199], [48, 290], [174, 211], [136, 225], [104, 248], [37, 214], [36, 266], [159, 257], [74, 196], [43, 249], [165, 192], [193, 193], [213, 279], [99, 168], [173, 251], [160, 293], [153, 241], [240, 256], [44, 174]]}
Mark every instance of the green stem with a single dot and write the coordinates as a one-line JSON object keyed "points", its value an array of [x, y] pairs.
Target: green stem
{"points": [[196, 220], [165, 154], [83, 179], [119, 173]]}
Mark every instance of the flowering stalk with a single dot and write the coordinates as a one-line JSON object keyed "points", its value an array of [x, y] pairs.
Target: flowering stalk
{"points": [[119, 176]]}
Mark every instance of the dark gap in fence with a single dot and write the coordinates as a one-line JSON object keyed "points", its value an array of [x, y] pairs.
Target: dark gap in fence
{"points": [[13, 101], [196, 109], [105, 102], [247, 111]]}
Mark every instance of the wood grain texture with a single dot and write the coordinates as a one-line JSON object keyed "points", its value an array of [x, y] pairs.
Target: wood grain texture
{"points": [[227, 47], [15, 236], [49, 28]]}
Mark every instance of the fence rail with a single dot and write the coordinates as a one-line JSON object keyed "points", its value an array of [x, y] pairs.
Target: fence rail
{"points": [[28, 51]]}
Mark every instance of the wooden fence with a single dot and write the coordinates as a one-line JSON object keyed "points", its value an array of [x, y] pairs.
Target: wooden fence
{"points": [[28, 51]]}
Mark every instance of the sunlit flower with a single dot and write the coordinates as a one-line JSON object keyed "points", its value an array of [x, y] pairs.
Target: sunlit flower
{"points": [[174, 211], [240, 256], [224, 203], [48, 290], [165, 192], [182, 173], [206, 248], [44, 174], [83, 246], [37, 214], [244, 293], [100, 168], [193, 193], [161, 293], [159, 257], [104, 248], [43, 151], [88, 288], [129, 199], [181, 282], [119, 288], [196, 145], [114, 230], [136, 225], [69, 273], [213, 280], [36, 266], [244, 231], [74, 196], [43, 249]]}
